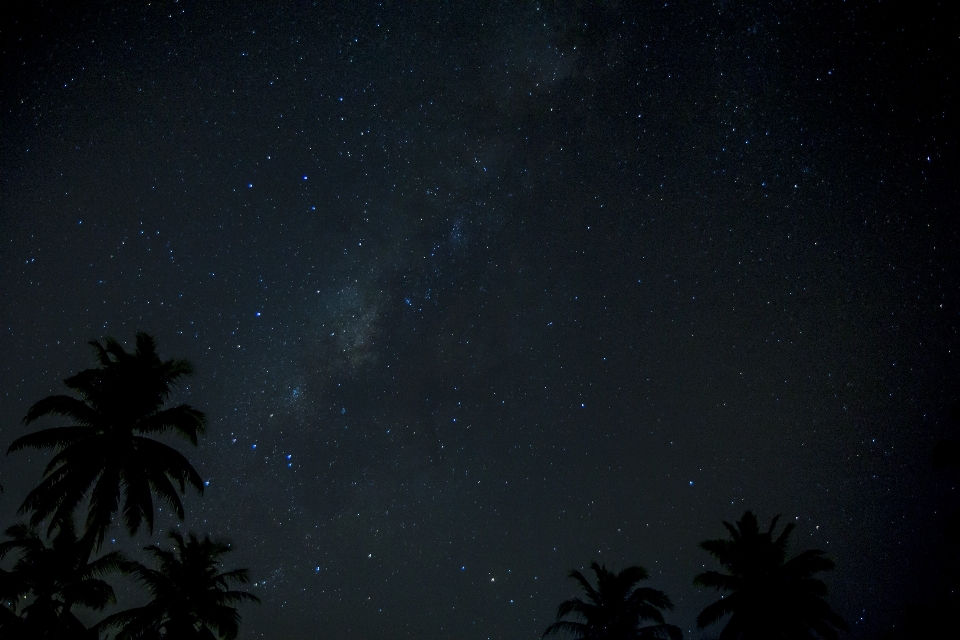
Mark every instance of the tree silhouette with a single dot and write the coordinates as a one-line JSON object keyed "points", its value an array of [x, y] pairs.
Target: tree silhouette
{"points": [[615, 610], [192, 600], [47, 581], [770, 597], [105, 452]]}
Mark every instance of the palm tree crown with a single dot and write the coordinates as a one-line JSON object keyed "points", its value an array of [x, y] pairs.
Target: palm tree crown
{"points": [[615, 609], [57, 577], [191, 598], [105, 453], [771, 597]]}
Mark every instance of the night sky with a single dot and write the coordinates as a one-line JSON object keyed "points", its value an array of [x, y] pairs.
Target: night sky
{"points": [[478, 293]]}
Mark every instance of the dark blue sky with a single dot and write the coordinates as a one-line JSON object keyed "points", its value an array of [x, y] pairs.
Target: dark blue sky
{"points": [[479, 295]]}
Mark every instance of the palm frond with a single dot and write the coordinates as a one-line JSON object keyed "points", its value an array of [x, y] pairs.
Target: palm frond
{"points": [[146, 347], [591, 593], [718, 581], [773, 523], [61, 405], [178, 540], [236, 597], [668, 631], [719, 549], [86, 452], [113, 562], [171, 461], [55, 438], [734, 531], [575, 606], [646, 612], [92, 594], [808, 563], [226, 621], [88, 383], [747, 525], [58, 495], [240, 576], [22, 538], [103, 352], [173, 370], [781, 540], [652, 597], [183, 420], [716, 611], [137, 500], [133, 624], [104, 502], [162, 486], [576, 629], [155, 581], [631, 576]]}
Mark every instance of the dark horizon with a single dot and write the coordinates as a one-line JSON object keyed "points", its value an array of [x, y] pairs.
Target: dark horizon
{"points": [[477, 295]]}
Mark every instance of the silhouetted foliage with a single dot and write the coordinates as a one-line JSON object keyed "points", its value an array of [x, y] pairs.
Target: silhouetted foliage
{"points": [[48, 581], [105, 453], [191, 598], [615, 609], [106, 459], [770, 597]]}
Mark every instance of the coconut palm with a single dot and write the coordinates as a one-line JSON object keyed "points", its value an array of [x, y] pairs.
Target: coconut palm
{"points": [[770, 597], [105, 455], [48, 581], [192, 599], [616, 609]]}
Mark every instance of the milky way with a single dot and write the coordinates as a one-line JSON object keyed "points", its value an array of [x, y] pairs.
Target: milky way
{"points": [[476, 296]]}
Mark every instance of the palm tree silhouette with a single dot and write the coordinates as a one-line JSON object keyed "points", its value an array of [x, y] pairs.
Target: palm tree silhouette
{"points": [[615, 610], [192, 600], [56, 577], [771, 597], [105, 452]]}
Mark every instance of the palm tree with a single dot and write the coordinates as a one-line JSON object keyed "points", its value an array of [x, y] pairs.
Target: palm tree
{"points": [[47, 581], [615, 610], [105, 454], [192, 600], [770, 597]]}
